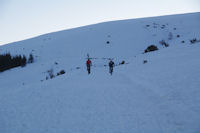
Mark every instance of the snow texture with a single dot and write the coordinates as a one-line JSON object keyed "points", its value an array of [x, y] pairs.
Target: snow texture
{"points": [[160, 96]]}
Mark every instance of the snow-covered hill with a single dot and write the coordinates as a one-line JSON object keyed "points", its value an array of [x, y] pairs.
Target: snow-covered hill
{"points": [[160, 96]]}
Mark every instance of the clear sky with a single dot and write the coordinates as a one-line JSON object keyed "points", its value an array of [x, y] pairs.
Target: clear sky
{"points": [[22, 19]]}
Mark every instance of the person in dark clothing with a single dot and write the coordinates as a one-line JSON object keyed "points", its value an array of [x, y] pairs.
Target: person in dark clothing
{"points": [[111, 65], [88, 64]]}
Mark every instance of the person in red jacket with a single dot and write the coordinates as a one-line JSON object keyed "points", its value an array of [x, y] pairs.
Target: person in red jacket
{"points": [[88, 64]]}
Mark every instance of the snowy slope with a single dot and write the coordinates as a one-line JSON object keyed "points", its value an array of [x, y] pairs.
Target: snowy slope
{"points": [[161, 96]]}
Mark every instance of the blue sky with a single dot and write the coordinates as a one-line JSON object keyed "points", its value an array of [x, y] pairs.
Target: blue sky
{"points": [[22, 19]]}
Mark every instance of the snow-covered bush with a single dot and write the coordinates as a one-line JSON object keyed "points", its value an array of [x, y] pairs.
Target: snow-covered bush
{"points": [[123, 62], [193, 41], [150, 48], [163, 26], [170, 36], [50, 72], [61, 72], [163, 43], [78, 68], [145, 61]]}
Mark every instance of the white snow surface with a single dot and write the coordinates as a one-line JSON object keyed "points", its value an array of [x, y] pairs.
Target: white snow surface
{"points": [[161, 96]]}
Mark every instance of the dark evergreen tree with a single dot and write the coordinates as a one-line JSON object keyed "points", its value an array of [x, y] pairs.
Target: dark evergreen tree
{"points": [[30, 59], [23, 61], [8, 62]]}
